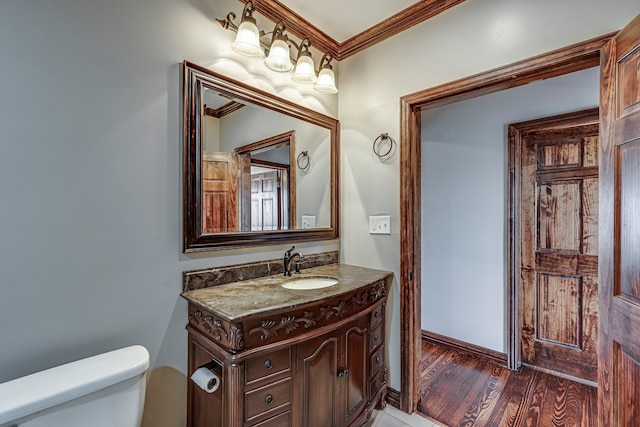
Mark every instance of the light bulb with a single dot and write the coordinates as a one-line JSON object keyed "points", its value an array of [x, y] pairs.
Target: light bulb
{"points": [[326, 81], [247, 41], [305, 71], [278, 59]]}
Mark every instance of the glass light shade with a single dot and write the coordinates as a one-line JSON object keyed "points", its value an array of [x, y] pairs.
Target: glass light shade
{"points": [[278, 59], [305, 69], [326, 81], [247, 41]]}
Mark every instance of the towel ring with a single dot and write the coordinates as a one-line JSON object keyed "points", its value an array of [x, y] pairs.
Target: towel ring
{"points": [[303, 160], [376, 145]]}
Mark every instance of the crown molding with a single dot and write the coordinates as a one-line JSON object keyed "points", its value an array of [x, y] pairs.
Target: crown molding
{"points": [[296, 25], [227, 108], [401, 21]]}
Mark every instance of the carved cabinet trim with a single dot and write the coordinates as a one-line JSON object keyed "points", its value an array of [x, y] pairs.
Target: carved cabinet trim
{"points": [[282, 324]]}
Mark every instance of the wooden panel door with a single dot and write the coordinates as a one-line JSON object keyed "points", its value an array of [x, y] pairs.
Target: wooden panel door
{"points": [[559, 243], [619, 344], [219, 192], [318, 392], [265, 207]]}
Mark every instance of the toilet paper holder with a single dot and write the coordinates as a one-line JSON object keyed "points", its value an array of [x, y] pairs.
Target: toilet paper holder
{"points": [[208, 376], [212, 366]]}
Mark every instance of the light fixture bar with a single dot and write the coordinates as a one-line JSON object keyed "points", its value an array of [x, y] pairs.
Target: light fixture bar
{"points": [[249, 42]]}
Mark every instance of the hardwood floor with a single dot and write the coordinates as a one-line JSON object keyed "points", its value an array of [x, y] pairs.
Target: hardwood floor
{"points": [[460, 390]]}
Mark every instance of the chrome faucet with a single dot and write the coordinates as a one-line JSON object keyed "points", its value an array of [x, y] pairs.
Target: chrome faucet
{"points": [[288, 259]]}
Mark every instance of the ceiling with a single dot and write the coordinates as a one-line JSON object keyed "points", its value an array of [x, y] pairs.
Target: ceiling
{"points": [[345, 27], [343, 19]]}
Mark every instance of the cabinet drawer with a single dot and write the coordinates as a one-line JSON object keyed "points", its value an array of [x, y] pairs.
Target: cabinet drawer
{"points": [[269, 364], [377, 315], [377, 381], [376, 337], [376, 361], [282, 420], [270, 398]]}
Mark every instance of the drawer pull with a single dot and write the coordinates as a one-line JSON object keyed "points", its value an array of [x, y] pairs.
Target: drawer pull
{"points": [[268, 364], [376, 314], [377, 359], [268, 399], [376, 337], [343, 373]]}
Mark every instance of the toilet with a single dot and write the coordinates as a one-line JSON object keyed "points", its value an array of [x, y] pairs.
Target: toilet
{"points": [[106, 390]]}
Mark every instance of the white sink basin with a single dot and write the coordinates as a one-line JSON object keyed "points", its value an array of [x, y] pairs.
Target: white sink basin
{"points": [[305, 283]]}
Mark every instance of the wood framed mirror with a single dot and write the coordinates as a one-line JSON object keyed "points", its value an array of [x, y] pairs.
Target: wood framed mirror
{"points": [[242, 185]]}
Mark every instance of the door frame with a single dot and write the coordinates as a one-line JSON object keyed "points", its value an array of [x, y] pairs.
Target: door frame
{"points": [[566, 60]]}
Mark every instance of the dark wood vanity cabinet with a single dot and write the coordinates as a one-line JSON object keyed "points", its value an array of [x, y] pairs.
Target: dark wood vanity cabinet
{"points": [[320, 365]]}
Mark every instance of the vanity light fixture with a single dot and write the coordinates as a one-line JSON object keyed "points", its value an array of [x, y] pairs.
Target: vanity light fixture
{"points": [[249, 42]]}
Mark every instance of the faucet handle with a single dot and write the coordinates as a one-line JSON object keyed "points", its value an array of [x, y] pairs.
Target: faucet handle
{"points": [[288, 253]]}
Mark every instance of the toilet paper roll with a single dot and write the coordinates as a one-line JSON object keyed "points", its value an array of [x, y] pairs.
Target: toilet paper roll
{"points": [[205, 379]]}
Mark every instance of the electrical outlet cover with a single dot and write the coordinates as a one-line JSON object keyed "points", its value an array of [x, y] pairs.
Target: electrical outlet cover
{"points": [[308, 221]]}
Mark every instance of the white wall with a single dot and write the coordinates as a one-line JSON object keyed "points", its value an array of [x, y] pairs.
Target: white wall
{"points": [[276, 155], [464, 203], [467, 39], [211, 133], [90, 180]]}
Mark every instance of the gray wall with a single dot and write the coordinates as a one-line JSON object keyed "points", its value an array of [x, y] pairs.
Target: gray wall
{"points": [[90, 181], [464, 203], [90, 162]]}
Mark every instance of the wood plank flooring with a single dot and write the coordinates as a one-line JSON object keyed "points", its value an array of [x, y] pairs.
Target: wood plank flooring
{"points": [[460, 390]]}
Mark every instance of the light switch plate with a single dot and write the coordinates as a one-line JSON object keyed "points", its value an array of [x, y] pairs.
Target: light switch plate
{"points": [[380, 224], [308, 221]]}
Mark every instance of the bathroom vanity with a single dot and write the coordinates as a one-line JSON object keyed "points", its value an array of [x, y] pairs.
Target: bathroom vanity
{"points": [[290, 357]]}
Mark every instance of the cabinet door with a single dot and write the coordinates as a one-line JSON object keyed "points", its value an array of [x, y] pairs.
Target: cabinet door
{"points": [[318, 381], [355, 362]]}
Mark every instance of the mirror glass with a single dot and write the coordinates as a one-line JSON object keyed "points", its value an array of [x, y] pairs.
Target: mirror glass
{"points": [[258, 169]]}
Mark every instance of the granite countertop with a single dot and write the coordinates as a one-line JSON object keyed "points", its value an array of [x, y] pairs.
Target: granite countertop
{"points": [[234, 301]]}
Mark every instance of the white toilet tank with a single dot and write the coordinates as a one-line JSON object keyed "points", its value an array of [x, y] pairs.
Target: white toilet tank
{"points": [[106, 390]]}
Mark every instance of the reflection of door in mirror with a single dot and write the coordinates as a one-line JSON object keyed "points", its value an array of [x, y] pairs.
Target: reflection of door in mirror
{"points": [[265, 204], [270, 207], [271, 195], [251, 189], [219, 192]]}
